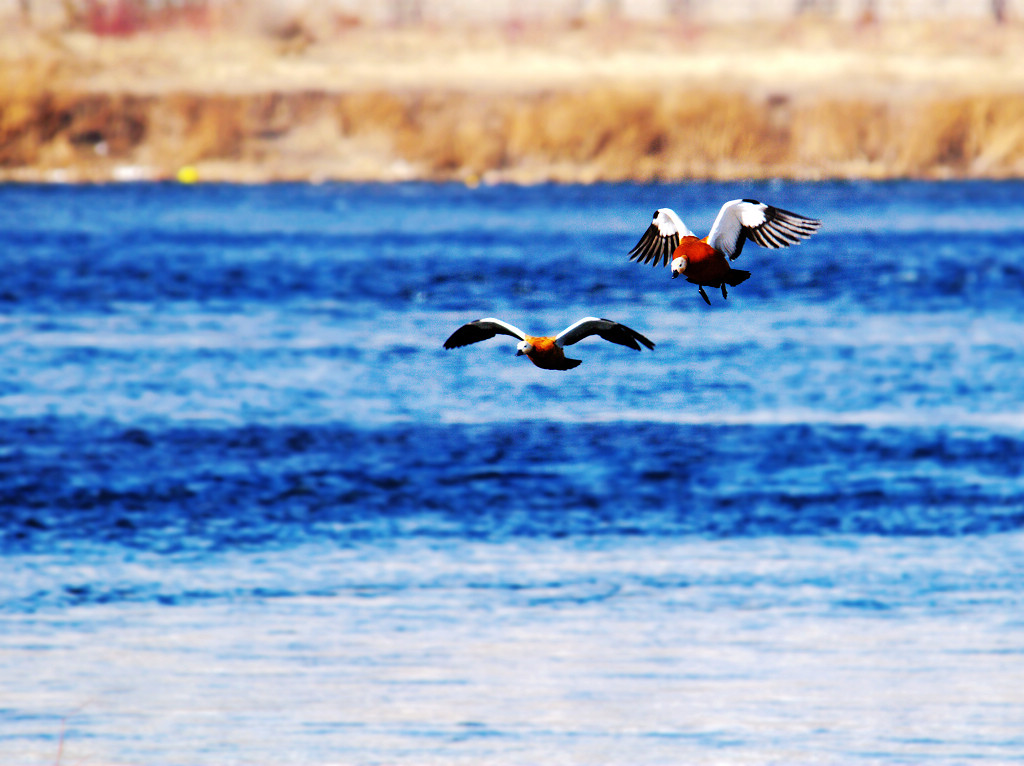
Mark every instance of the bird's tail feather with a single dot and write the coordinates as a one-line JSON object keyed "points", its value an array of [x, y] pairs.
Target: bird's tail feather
{"points": [[736, 276]]}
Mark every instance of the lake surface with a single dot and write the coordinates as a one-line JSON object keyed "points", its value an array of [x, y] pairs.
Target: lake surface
{"points": [[254, 513]]}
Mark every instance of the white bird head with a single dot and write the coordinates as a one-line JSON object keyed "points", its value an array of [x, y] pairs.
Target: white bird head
{"points": [[524, 347], [678, 266]]}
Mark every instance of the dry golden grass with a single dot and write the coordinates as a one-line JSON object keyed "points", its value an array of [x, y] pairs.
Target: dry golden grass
{"points": [[814, 101]]}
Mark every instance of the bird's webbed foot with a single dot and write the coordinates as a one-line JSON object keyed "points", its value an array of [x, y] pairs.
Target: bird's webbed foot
{"points": [[704, 295], [724, 293]]}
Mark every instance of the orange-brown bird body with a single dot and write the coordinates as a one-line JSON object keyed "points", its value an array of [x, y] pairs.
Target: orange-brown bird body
{"points": [[707, 262], [547, 355], [545, 351], [705, 266]]}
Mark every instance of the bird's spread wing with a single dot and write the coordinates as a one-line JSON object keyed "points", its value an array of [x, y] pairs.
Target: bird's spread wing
{"points": [[661, 238], [606, 328], [768, 226], [482, 329]]}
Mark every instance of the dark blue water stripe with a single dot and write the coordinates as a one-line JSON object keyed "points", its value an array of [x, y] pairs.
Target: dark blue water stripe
{"points": [[194, 488]]}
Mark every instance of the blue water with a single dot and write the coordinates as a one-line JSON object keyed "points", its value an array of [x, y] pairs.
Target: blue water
{"points": [[254, 513]]}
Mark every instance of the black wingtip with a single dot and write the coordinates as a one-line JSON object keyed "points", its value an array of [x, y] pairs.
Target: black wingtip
{"points": [[653, 248], [470, 332]]}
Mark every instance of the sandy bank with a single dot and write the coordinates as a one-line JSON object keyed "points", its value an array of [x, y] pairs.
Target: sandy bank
{"points": [[809, 101]]}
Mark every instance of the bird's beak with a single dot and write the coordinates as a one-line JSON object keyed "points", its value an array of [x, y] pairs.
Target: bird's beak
{"points": [[518, 352], [675, 274]]}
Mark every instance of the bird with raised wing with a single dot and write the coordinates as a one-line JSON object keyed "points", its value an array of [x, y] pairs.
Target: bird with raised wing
{"points": [[546, 351], [707, 262]]}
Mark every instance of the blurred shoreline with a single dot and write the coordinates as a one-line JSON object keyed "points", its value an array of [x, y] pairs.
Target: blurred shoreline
{"points": [[804, 99]]}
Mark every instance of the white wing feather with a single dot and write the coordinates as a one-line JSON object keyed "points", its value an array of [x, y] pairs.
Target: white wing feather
{"points": [[768, 226], [727, 234], [512, 329], [613, 332], [577, 331], [482, 329], [669, 224]]}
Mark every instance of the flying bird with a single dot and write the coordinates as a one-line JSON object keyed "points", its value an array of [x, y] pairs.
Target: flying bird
{"points": [[546, 351], [706, 262]]}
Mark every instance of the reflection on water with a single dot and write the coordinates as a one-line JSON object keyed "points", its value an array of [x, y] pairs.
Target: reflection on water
{"points": [[617, 651]]}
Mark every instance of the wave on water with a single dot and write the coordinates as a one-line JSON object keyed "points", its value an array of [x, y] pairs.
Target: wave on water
{"points": [[192, 490]]}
